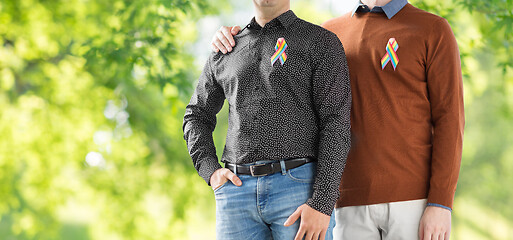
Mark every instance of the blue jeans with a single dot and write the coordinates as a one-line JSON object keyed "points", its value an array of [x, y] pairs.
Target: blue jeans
{"points": [[258, 208]]}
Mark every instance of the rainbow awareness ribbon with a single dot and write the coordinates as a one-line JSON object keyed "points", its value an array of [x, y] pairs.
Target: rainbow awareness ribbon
{"points": [[280, 47], [391, 55]]}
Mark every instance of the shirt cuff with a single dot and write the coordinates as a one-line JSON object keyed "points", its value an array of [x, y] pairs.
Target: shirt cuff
{"points": [[207, 168], [322, 203], [439, 205]]}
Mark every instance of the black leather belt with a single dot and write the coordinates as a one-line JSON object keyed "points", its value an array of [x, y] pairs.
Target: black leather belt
{"points": [[259, 170]]}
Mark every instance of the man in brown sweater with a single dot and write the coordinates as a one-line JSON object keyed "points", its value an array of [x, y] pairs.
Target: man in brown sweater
{"points": [[407, 121]]}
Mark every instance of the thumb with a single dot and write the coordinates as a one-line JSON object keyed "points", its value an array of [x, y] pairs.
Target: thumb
{"points": [[235, 30], [233, 178], [421, 232], [293, 217]]}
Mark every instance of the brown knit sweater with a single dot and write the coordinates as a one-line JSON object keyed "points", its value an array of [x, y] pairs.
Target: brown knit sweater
{"points": [[407, 123]]}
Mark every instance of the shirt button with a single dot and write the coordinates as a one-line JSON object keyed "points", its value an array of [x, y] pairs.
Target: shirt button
{"points": [[248, 26]]}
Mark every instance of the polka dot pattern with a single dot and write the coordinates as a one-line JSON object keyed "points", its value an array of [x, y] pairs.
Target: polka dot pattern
{"points": [[300, 108]]}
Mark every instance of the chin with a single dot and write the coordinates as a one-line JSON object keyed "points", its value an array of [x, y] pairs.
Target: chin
{"points": [[268, 3]]}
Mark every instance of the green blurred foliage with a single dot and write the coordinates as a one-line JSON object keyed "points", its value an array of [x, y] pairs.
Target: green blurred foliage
{"points": [[110, 80], [100, 77]]}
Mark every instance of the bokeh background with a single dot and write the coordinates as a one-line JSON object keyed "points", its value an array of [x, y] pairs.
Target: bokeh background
{"points": [[92, 95]]}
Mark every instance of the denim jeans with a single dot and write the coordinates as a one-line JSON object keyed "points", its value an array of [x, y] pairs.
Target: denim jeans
{"points": [[258, 208]]}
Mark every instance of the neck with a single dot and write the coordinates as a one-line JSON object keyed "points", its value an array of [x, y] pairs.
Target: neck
{"points": [[372, 3], [266, 14]]}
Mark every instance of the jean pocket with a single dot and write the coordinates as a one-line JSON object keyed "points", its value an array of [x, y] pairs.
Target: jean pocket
{"points": [[222, 186], [303, 174]]}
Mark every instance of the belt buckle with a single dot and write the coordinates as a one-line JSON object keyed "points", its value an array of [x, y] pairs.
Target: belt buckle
{"points": [[252, 170]]}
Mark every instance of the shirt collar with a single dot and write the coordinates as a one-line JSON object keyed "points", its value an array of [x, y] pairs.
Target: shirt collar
{"points": [[390, 9], [285, 19]]}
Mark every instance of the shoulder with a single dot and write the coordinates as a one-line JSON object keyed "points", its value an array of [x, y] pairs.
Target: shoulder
{"points": [[310, 27], [337, 22], [421, 20], [318, 33], [242, 41], [314, 36], [424, 17]]}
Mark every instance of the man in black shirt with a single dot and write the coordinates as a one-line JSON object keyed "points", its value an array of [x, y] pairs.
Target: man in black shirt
{"points": [[287, 86]]}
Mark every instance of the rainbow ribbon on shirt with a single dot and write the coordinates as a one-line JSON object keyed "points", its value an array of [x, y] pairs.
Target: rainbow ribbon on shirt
{"points": [[391, 55], [280, 47]]}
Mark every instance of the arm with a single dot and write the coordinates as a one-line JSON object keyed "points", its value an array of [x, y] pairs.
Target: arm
{"points": [[445, 88], [198, 124], [332, 102]]}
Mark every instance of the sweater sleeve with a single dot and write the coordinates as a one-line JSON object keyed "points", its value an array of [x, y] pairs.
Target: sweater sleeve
{"points": [[445, 88]]}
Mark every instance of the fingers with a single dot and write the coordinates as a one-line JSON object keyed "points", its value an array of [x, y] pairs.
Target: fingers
{"points": [[322, 236], [313, 222], [300, 234], [233, 178], [427, 236], [217, 179], [217, 42], [315, 236], [214, 47], [427, 232], [235, 30], [223, 39], [421, 231], [218, 186], [309, 236], [220, 36], [447, 235], [439, 235], [293, 218], [228, 38]]}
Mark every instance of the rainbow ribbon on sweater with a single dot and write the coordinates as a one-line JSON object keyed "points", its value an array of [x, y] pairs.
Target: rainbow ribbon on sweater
{"points": [[391, 55], [280, 47]]}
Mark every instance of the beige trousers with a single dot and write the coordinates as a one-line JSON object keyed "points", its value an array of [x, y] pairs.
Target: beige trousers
{"points": [[387, 221]]}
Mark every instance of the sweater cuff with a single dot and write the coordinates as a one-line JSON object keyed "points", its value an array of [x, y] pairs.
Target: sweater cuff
{"points": [[207, 168], [441, 197], [438, 205]]}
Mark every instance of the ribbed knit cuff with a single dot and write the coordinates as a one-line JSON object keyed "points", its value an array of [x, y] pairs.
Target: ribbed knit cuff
{"points": [[207, 168]]}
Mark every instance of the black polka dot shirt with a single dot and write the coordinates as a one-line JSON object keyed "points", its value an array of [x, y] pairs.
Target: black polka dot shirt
{"points": [[287, 85]]}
